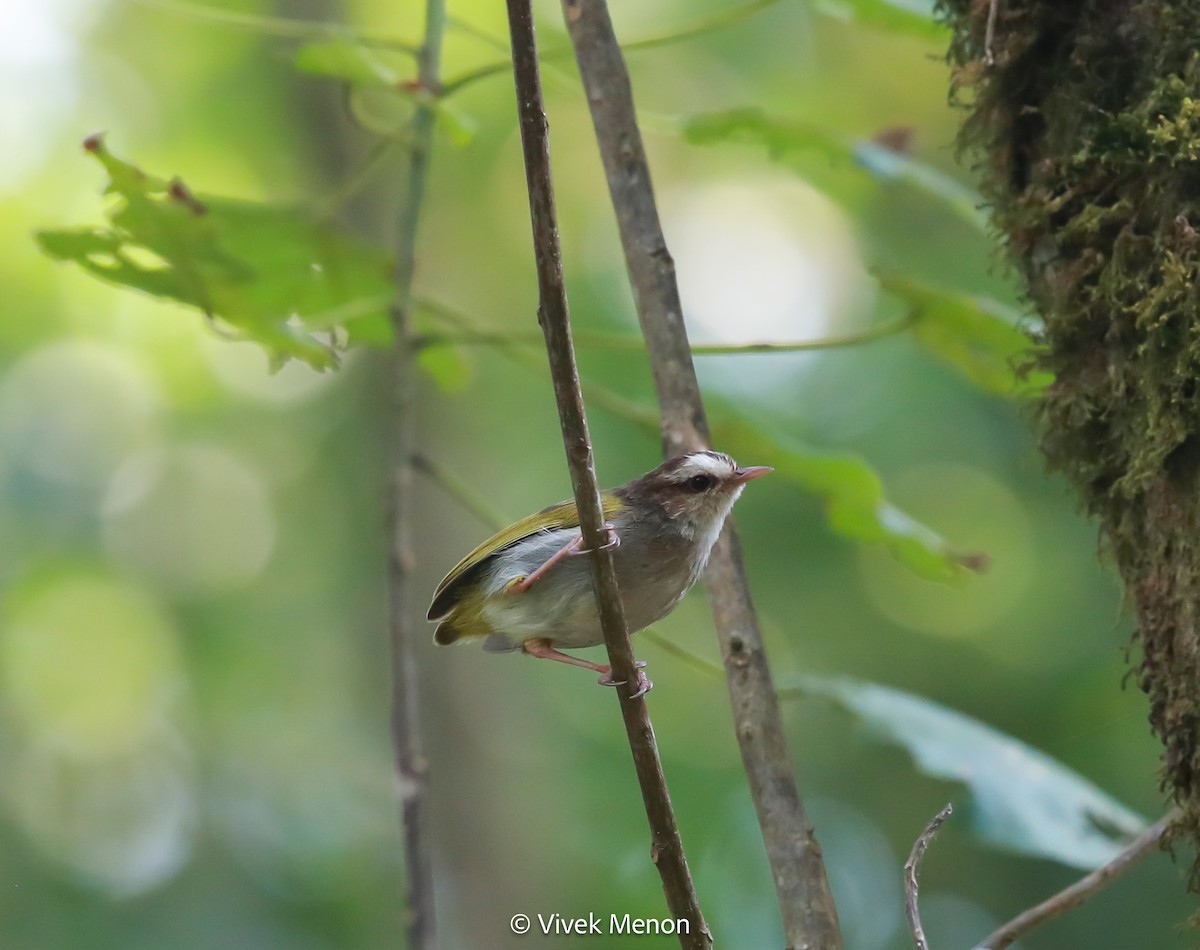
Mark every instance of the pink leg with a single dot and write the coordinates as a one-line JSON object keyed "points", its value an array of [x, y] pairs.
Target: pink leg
{"points": [[571, 549], [541, 649]]}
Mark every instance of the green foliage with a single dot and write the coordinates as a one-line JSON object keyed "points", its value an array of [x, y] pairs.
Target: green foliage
{"points": [[978, 336], [1020, 799], [878, 162], [854, 498], [346, 60], [269, 274], [753, 126], [380, 99], [254, 757], [901, 16]]}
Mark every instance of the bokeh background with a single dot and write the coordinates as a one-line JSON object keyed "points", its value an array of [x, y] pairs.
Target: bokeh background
{"points": [[193, 690]]}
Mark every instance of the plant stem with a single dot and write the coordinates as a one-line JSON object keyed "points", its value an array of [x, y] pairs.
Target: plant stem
{"points": [[666, 848], [411, 766], [1087, 886], [911, 890], [798, 869]]}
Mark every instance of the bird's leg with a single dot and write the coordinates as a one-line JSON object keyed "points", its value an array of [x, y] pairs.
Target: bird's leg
{"points": [[572, 548], [540, 648]]}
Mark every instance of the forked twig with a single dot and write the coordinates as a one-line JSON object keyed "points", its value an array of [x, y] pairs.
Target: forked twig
{"points": [[911, 889]]}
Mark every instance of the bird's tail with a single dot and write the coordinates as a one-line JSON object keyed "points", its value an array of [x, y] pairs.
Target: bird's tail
{"points": [[447, 632]]}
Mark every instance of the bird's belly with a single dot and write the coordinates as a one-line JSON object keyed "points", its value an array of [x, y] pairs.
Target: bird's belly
{"points": [[561, 608]]}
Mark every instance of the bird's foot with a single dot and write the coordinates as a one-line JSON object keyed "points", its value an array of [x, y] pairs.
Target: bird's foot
{"points": [[613, 540], [644, 683]]}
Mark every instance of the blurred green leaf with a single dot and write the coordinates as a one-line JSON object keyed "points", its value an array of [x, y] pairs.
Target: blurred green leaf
{"points": [[855, 503], [447, 366], [1020, 799], [874, 160], [346, 60], [853, 493], [888, 164], [268, 273], [753, 127], [364, 69], [714, 23], [901, 16], [980, 337], [456, 124]]}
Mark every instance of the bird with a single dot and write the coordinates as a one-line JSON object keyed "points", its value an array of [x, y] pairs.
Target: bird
{"points": [[527, 589]]}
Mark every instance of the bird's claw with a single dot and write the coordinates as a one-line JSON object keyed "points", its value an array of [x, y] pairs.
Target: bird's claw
{"points": [[614, 541], [645, 684]]}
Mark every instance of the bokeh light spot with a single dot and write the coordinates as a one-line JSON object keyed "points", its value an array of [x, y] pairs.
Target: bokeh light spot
{"points": [[978, 514], [195, 518], [71, 410], [87, 663]]}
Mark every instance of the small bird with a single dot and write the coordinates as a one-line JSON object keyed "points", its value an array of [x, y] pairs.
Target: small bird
{"points": [[526, 589]]}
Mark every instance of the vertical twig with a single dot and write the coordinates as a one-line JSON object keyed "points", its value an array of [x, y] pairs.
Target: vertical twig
{"points": [[912, 905], [1087, 886], [989, 35], [411, 766], [798, 868], [666, 848]]}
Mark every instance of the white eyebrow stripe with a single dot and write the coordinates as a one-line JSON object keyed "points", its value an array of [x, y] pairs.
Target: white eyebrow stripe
{"points": [[704, 463]]}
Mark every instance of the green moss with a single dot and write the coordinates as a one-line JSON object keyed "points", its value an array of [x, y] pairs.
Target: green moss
{"points": [[1087, 132]]}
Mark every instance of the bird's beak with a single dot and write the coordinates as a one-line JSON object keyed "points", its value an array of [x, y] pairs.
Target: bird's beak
{"points": [[751, 472]]}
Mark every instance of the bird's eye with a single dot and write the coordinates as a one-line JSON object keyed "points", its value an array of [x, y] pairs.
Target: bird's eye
{"points": [[699, 483]]}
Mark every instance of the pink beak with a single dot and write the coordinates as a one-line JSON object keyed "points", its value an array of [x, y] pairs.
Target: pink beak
{"points": [[751, 472]]}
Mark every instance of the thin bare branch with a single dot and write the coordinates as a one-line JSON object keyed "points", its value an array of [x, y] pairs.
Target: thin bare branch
{"points": [[911, 890], [411, 766], [666, 848], [798, 869], [1087, 886], [476, 336], [470, 498], [707, 24], [989, 36]]}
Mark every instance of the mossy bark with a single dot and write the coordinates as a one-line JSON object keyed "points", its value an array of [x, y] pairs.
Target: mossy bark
{"points": [[1087, 127]]}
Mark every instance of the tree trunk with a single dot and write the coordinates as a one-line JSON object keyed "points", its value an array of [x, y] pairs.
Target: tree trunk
{"points": [[1086, 117]]}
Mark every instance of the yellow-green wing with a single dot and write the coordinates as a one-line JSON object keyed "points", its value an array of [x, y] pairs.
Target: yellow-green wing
{"points": [[563, 515]]}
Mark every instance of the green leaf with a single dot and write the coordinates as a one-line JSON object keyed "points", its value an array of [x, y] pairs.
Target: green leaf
{"points": [[1020, 799], [346, 60], [447, 366], [459, 127], [270, 274], [753, 127], [978, 336], [902, 16], [855, 502], [876, 162], [888, 164]]}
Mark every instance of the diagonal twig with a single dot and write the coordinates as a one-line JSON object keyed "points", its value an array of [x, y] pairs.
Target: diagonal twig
{"points": [[411, 765], [798, 868], [1087, 886], [666, 849], [911, 891]]}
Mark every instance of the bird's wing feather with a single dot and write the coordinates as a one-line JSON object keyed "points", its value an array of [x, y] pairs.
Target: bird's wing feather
{"points": [[556, 517]]}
